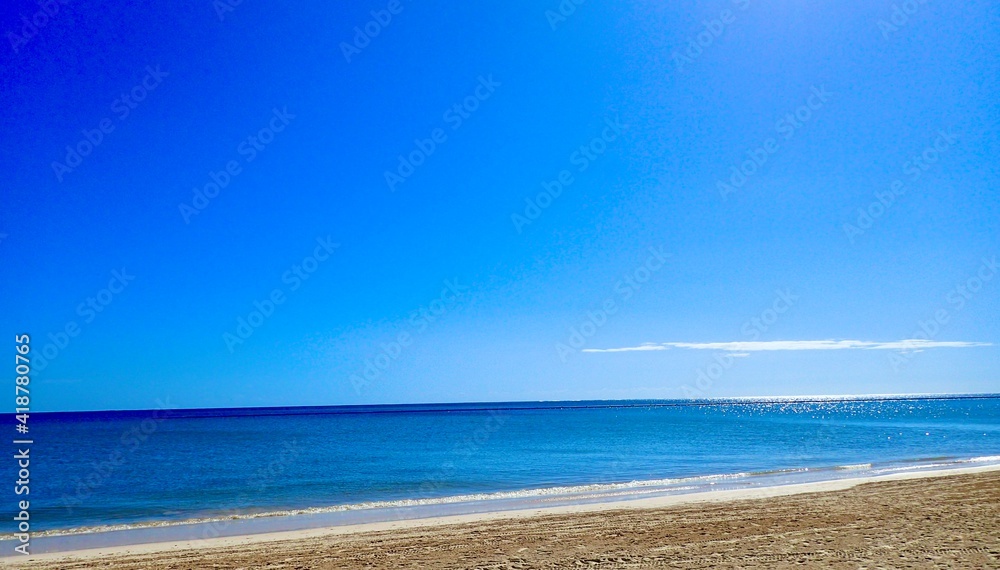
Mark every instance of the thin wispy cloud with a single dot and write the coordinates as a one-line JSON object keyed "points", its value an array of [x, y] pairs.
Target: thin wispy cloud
{"points": [[744, 348]]}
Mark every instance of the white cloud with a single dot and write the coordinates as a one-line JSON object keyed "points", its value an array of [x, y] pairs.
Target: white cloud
{"points": [[743, 348]]}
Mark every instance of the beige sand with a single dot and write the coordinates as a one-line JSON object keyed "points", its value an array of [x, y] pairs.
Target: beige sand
{"points": [[930, 520]]}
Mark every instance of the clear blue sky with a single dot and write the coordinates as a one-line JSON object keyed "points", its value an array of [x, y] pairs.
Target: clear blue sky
{"points": [[362, 251]]}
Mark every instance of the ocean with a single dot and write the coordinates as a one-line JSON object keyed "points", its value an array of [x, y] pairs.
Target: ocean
{"points": [[234, 471]]}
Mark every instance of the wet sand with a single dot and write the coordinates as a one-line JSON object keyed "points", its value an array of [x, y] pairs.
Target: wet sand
{"points": [[941, 521]]}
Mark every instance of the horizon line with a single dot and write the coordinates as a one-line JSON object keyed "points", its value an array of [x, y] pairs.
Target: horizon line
{"points": [[809, 398]]}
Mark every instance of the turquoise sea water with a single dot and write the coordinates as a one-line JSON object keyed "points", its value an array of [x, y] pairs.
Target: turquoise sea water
{"points": [[334, 465]]}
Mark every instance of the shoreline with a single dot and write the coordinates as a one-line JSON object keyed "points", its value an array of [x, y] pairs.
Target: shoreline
{"points": [[564, 495], [437, 522]]}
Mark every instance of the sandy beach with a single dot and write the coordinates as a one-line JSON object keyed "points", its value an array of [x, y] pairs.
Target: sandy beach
{"points": [[925, 520]]}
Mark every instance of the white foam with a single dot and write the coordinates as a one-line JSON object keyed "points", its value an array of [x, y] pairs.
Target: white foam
{"points": [[853, 467]]}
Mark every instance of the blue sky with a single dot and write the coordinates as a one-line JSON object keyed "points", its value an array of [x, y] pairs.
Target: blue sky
{"points": [[479, 201]]}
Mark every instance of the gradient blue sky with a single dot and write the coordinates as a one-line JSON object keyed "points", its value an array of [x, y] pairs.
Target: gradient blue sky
{"points": [[891, 92]]}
